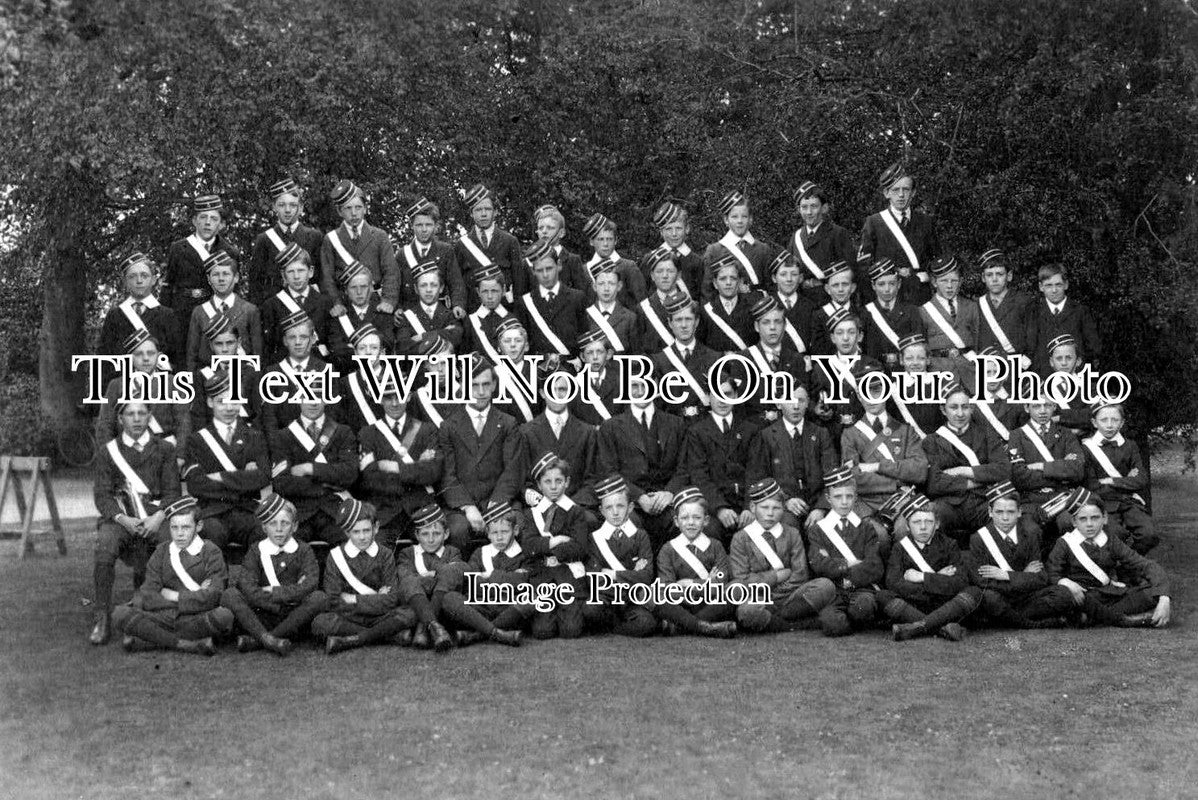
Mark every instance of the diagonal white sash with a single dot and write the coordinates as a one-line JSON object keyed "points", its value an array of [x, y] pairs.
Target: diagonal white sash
{"points": [[305, 441], [136, 485], [916, 556], [347, 573], [421, 566], [134, 318], [724, 326], [503, 372], [806, 259], [1037, 442], [1094, 445], [756, 535], [676, 361], [601, 536], [544, 327], [479, 255], [959, 445], [189, 583], [829, 528], [730, 244], [909, 418], [991, 545], [605, 326], [477, 323], [901, 238], [679, 543], [280, 245], [793, 333], [658, 325], [874, 440], [995, 328], [947, 329], [339, 247], [409, 254], [355, 388], [415, 322], [430, 408], [992, 418], [879, 319], [490, 551], [289, 303], [198, 245], [218, 450], [394, 441], [268, 566], [1074, 539]]}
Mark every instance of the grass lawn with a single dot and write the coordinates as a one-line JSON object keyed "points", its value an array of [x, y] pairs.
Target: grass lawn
{"points": [[1100, 713]]}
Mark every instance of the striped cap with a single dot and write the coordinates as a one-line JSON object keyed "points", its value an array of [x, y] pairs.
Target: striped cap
{"points": [[510, 323], [219, 259], [184, 505], [842, 474], [343, 192], [602, 267], [541, 248], [351, 511], [207, 202], [361, 332], [475, 195], [997, 491], [1079, 497], [137, 259], [993, 258], [677, 301], [421, 206], [295, 320], [543, 463], [282, 187], [425, 268], [352, 270], [690, 494], [882, 267], [764, 305], [292, 252], [612, 484], [989, 350], [806, 189], [943, 265], [730, 201], [667, 213], [217, 384], [864, 366], [592, 336], [954, 386], [544, 211], [595, 225], [891, 506], [491, 272], [835, 268], [912, 340], [1101, 403], [895, 172], [219, 324], [914, 504], [496, 511], [726, 260], [272, 506], [427, 515], [433, 345], [783, 259], [1063, 340], [764, 489], [137, 339], [836, 317]]}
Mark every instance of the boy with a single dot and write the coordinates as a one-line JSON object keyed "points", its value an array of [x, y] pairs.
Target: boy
{"points": [[692, 557], [620, 550], [222, 341], [767, 551], [136, 477], [951, 322], [839, 286], [400, 467], [900, 233], [178, 606], [357, 406], [927, 588], [727, 317], [818, 242], [427, 570], [1004, 311], [514, 372], [487, 244], [554, 535], [183, 285], [297, 338], [287, 204], [770, 356], [596, 352], [243, 316], [717, 451], [552, 313], [924, 417], [297, 295], [1005, 564], [994, 408], [686, 357], [618, 324], [357, 240], [501, 561], [556, 431], [1110, 582], [844, 331], [601, 233], [226, 467], [889, 319], [140, 310], [362, 586], [425, 314], [481, 336], [168, 420], [1063, 359], [1045, 459], [1115, 472], [1055, 314], [738, 243], [315, 464], [550, 225], [798, 310], [424, 217], [361, 308], [672, 220], [844, 549], [276, 595], [651, 312]]}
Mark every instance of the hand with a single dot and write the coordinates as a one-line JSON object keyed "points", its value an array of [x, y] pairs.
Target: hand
{"points": [[252, 466], [1038, 466], [960, 472], [1075, 590], [474, 518], [666, 499], [384, 590], [206, 584], [727, 517], [816, 515], [846, 584], [645, 502], [386, 307], [641, 564], [268, 589], [1034, 566], [913, 576], [993, 573], [301, 470], [744, 519], [128, 523], [783, 574], [559, 540], [1071, 457], [337, 310], [152, 523], [532, 497], [215, 477], [169, 595], [428, 455], [349, 599], [388, 465], [1162, 612], [797, 507], [1107, 481], [459, 312], [1135, 471], [950, 570], [868, 466]]}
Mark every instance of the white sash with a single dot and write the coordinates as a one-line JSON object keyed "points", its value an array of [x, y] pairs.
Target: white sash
{"points": [[909, 418], [601, 536], [289, 303], [340, 248], [992, 418], [409, 254], [992, 321], [414, 321], [280, 245], [730, 244], [544, 326], [807, 260], [350, 578], [538, 516], [657, 323], [916, 556], [426, 401], [268, 566], [874, 439], [793, 333], [189, 583], [605, 326], [879, 319], [724, 326], [198, 245], [759, 358], [469, 244], [477, 323], [134, 318], [392, 440], [960, 446], [1093, 444], [421, 567], [676, 361], [596, 402], [301, 436], [136, 485], [679, 543], [756, 535], [503, 372], [901, 238], [1037, 442], [991, 545], [355, 388], [947, 329], [218, 450], [837, 540], [489, 552], [1074, 540]]}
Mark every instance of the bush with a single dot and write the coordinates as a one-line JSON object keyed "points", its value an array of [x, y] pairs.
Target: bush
{"points": [[23, 432]]}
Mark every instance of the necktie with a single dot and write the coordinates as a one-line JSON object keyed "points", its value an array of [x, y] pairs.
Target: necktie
{"points": [[479, 421], [302, 299], [797, 435], [686, 353], [903, 220], [139, 307], [773, 361], [694, 548], [549, 516], [1056, 312], [877, 425], [606, 313], [549, 297], [719, 423], [312, 431], [789, 303], [842, 526], [743, 245], [224, 307], [423, 252], [353, 235], [228, 434], [138, 446], [675, 255], [484, 238], [557, 428], [952, 309]]}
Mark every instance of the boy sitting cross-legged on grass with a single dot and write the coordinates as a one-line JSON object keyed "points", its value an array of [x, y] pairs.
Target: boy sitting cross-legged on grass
{"points": [[620, 550], [499, 562], [693, 557], [427, 570]]}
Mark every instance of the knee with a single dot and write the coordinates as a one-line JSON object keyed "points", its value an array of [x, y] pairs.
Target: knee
{"points": [[834, 622], [123, 615], [324, 625], [753, 617], [316, 600], [222, 620], [863, 608], [232, 598], [819, 592]]}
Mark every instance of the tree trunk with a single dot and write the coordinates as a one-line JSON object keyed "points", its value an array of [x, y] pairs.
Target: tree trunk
{"points": [[64, 290]]}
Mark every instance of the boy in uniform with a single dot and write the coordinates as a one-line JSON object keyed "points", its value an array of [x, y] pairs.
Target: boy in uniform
{"points": [[618, 324], [1115, 472], [839, 286], [558, 432], [276, 595], [487, 244], [243, 316], [140, 310], [727, 321], [738, 243], [1045, 459], [1055, 314], [136, 477], [500, 561], [362, 585], [552, 313], [927, 586], [993, 407], [771, 355], [481, 324], [183, 284], [923, 418], [951, 322], [297, 295], [686, 356], [905, 236], [673, 221], [797, 308], [168, 420], [889, 319], [818, 242], [601, 233], [770, 552], [1063, 359], [357, 240], [717, 451], [596, 353], [427, 570], [425, 217], [361, 308], [554, 535], [693, 557], [425, 314], [651, 312], [297, 339], [550, 225], [1004, 311], [620, 549], [287, 204], [222, 341]]}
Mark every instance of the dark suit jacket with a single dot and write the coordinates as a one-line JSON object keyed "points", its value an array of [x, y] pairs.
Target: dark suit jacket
{"points": [[479, 471], [373, 249], [470, 339], [263, 275], [184, 272], [564, 316], [403, 491], [625, 447], [442, 321], [155, 465], [318, 491], [798, 467], [273, 312], [740, 321], [989, 449], [238, 489], [830, 243], [1018, 556], [691, 270], [162, 322], [701, 359], [716, 462], [606, 392], [760, 254], [625, 323], [1012, 316], [878, 241], [651, 340], [1074, 319], [246, 322], [576, 445], [904, 319], [274, 416], [504, 251], [453, 287]]}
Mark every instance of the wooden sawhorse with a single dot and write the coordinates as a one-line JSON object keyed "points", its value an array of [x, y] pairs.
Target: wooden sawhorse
{"points": [[11, 469]]}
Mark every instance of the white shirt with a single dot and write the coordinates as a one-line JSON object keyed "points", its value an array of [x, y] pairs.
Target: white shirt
{"points": [[729, 305], [557, 421], [792, 429], [352, 550], [556, 289], [143, 440], [644, 415], [395, 424], [354, 230], [1057, 308], [224, 431]]}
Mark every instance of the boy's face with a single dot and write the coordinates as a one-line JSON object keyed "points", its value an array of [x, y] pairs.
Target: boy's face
{"points": [[423, 227], [490, 294], [311, 411], [358, 290], [206, 224], [394, 406], [135, 418], [768, 511], [280, 528], [431, 537], [840, 286], [901, 193], [720, 407], [353, 211], [1041, 413], [482, 388], [871, 408], [370, 347], [287, 208], [811, 209], [298, 341], [607, 286], [483, 213], [727, 282], [222, 280], [513, 344], [996, 278], [676, 232], [296, 275], [915, 358], [682, 324], [184, 528], [362, 533], [224, 345], [664, 275], [139, 281], [223, 410], [1109, 421], [793, 412], [787, 279], [145, 357], [500, 533], [948, 285], [958, 410], [690, 520], [596, 355], [428, 287], [614, 508], [1090, 520], [548, 228], [546, 272], [1054, 287], [738, 220], [846, 337], [842, 497], [922, 525], [770, 327], [604, 243], [553, 484], [887, 287], [1064, 358], [1004, 513]]}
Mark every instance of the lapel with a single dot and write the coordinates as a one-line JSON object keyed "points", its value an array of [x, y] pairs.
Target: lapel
{"points": [[636, 433], [490, 431]]}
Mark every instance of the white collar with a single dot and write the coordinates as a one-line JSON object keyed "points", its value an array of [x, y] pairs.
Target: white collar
{"points": [[1117, 439], [422, 248], [149, 301], [560, 417], [595, 259], [869, 419], [195, 238], [287, 228], [1011, 535], [691, 345], [722, 418], [943, 301], [392, 423], [362, 311], [598, 377], [305, 423], [607, 530], [730, 239], [355, 230], [757, 527], [298, 366], [645, 413], [1098, 541], [683, 249], [511, 551], [791, 429], [352, 550], [193, 549], [702, 542], [484, 312], [610, 306], [475, 413], [489, 231], [230, 298], [130, 441], [958, 433], [898, 215], [438, 553], [729, 304], [1057, 306], [221, 427], [811, 231], [766, 350], [429, 309], [555, 288], [301, 295], [271, 549]]}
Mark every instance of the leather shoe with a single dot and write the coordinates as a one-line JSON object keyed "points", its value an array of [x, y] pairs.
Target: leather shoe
{"points": [[951, 631], [248, 644], [200, 647], [467, 638], [720, 630], [442, 641], [906, 631], [102, 630], [1143, 620], [420, 638], [336, 644], [128, 643], [274, 644], [510, 638]]}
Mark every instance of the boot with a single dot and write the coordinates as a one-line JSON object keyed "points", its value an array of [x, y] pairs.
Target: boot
{"points": [[510, 638], [442, 641], [951, 631], [467, 638], [1143, 620], [336, 644], [420, 638], [404, 639], [248, 644], [909, 630], [128, 643], [102, 630], [274, 644], [199, 647], [718, 630], [668, 628]]}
